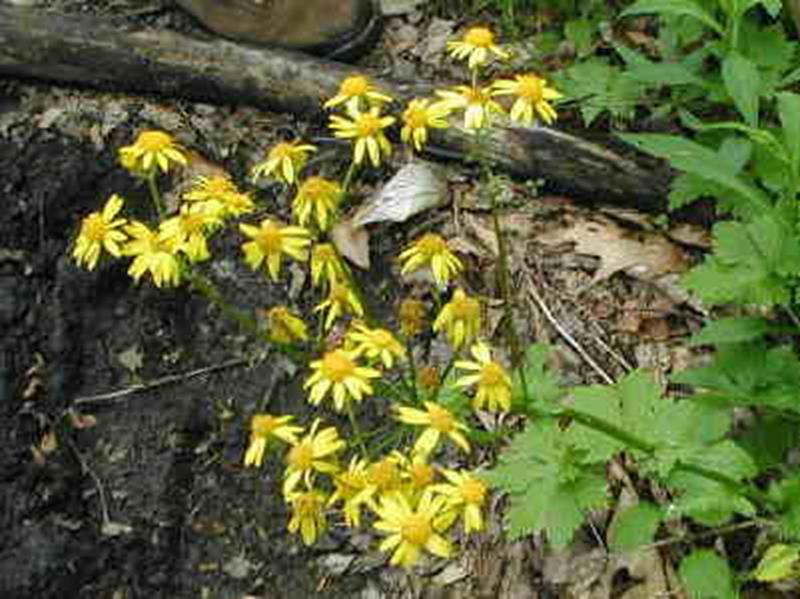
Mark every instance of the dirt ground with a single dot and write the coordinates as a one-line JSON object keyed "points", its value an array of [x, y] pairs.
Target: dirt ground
{"points": [[142, 494]]}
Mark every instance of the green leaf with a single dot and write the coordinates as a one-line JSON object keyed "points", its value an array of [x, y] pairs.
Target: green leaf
{"points": [[779, 562], [707, 576], [634, 526], [773, 7], [769, 441], [732, 330], [699, 160], [542, 383], [581, 33], [674, 7], [600, 401], [789, 111], [743, 84], [728, 458], [704, 500]]}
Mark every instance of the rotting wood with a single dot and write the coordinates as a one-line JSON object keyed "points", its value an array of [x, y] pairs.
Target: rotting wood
{"points": [[90, 51]]}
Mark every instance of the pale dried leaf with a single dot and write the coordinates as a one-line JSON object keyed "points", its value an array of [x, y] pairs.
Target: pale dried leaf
{"points": [[352, 242], [416, 187], [82, 421]]}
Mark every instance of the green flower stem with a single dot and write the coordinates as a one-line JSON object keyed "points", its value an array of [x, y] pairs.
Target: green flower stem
{"points": [[348, 178], [155, 195], [357, 431], [412, 371]]}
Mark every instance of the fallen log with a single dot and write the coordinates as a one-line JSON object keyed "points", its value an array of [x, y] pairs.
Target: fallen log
{"points": [[91, 51]]}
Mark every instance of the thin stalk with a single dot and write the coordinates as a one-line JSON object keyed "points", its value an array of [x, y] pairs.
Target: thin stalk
{"points": [[357, 431], [155, 195], [412, 371]]}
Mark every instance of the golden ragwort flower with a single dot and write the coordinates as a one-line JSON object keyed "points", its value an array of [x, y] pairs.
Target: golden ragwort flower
{"points": [[219, 195], [412, 315], [283, 326], [494, 384], [432, 251], [186, 232], [327, 265], [411, 530], [308, 514], [533, 95], [319, 198], [100, 231], [315, 452], [375, 344], [338, 373], [270, 242], [465, 496], [284, 161], [152, 150], [476, 47], [341, 300], [438, 421], [476, 102], [263, 427], [420, 116], [151, 254], [348, 488], [366, 128], [356, 93], [460, 318]]}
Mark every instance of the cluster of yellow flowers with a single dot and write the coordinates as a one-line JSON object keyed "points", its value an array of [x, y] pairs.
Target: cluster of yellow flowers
{"points": [[407, 495]]}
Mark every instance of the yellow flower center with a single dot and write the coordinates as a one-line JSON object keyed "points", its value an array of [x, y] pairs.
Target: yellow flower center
{"points": [[480, 37], [94, 228], [442, 420], [153, 141], [492, 375], [473, 491], [416, 529], [301, 456], [384, 475], [282, 151], [263, 425], [192, 222], [382, 339], [307, 505], [270, 238], [218, 186], [431, 245], [337, 366], [416, 117], [465, 308], [355, 86], [367, 125], [531, 88], [421, 475], [348, 484], [476, 96]]}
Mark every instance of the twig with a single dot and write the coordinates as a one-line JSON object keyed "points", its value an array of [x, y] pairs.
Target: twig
{"points": [[166, 380], [571, 341]]}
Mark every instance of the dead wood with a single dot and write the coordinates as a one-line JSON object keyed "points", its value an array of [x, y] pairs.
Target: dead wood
{"points": [[90, 51]]}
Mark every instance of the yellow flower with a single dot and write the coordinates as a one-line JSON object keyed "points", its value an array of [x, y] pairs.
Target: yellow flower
{"points": [[284, 161], [270, 242], [475, 47], [432, 251], [357, 92], [418, 474], [375, 344], [99, 231], [412, 316], [151, 150], [284, 327], [460, 318], [187, 232], [308, 515], [384, 477], [317, 197], [220, 196], [532, 93], [494, 384], [476, 102], [152, 254], [341, 300], [326, 265], [418, 117], [262, 428], [465, 495], [313, 453], [339, 373], [366, 128], [438, 421], [349, 486], [411, 530]]}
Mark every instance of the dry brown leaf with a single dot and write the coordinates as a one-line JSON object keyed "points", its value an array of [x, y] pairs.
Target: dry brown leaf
{"points": [[640, 254], [352, 242]]}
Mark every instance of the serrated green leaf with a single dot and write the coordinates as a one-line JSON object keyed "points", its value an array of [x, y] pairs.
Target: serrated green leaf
{"points": [[707, 576], [601, 401], [770, 440], [779, 562], [732, 330], [674, 7], [699, 160], [789, 111], [726, 457], [634, 526], [704, 500], [541, 382], [743, 84]]}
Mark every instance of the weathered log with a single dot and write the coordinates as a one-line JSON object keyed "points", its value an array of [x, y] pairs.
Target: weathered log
{"points": [[91, 51]]}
